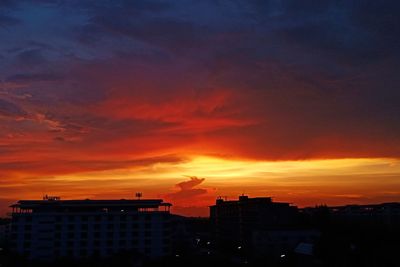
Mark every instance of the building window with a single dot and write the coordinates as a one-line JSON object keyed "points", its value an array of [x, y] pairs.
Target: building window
{"points": [[27, 245], [57, 253], [166, 249], [83, 252], [122, 234]]}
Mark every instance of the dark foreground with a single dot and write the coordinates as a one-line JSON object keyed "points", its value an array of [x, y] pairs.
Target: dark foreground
{"points": [[341, 244]]}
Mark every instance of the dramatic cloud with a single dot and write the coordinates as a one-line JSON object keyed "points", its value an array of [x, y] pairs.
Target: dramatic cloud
{"points": [[190, 200], [187, 190]]}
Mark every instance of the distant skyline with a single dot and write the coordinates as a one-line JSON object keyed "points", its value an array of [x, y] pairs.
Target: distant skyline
{"points": [[190, 100]]}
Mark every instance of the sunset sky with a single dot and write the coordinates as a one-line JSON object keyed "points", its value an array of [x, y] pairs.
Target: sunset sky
{"points": [[190, 100]]}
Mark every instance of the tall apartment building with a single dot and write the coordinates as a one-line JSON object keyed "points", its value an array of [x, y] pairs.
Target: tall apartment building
{"points": [[236, 221], [52, 228]]}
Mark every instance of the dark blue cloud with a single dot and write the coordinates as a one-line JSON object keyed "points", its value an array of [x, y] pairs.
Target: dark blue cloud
{"points": [[311, 67], [9, 109], [34, 77], [6, 21]]}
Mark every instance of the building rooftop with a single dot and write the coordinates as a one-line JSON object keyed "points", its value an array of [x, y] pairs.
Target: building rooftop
{"points": [[55, 203], [243, 199]]}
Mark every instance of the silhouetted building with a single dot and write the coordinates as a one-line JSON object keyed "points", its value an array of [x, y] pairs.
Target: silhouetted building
{"points": [[385, 213], [235, 222], [52, 228]]}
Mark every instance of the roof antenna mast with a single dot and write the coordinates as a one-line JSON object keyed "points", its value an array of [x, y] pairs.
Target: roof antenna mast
{"points": [[138, 195]]}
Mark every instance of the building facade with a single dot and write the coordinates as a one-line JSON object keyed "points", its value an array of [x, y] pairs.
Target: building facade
{"points": [[52, 228], [235, 221], [283, 241]]}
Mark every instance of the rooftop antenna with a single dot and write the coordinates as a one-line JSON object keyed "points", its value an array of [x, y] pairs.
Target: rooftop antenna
{"points": [[50, 198], [138, 195]]}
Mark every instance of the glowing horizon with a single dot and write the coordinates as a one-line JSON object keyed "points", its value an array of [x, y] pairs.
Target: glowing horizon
{"points": [[302, 182]]}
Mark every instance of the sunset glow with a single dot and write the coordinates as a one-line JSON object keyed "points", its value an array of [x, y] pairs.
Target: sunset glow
{"points": [[306, 182]]}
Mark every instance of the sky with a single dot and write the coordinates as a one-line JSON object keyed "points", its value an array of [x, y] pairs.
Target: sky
{"points": [[191, 100]]}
